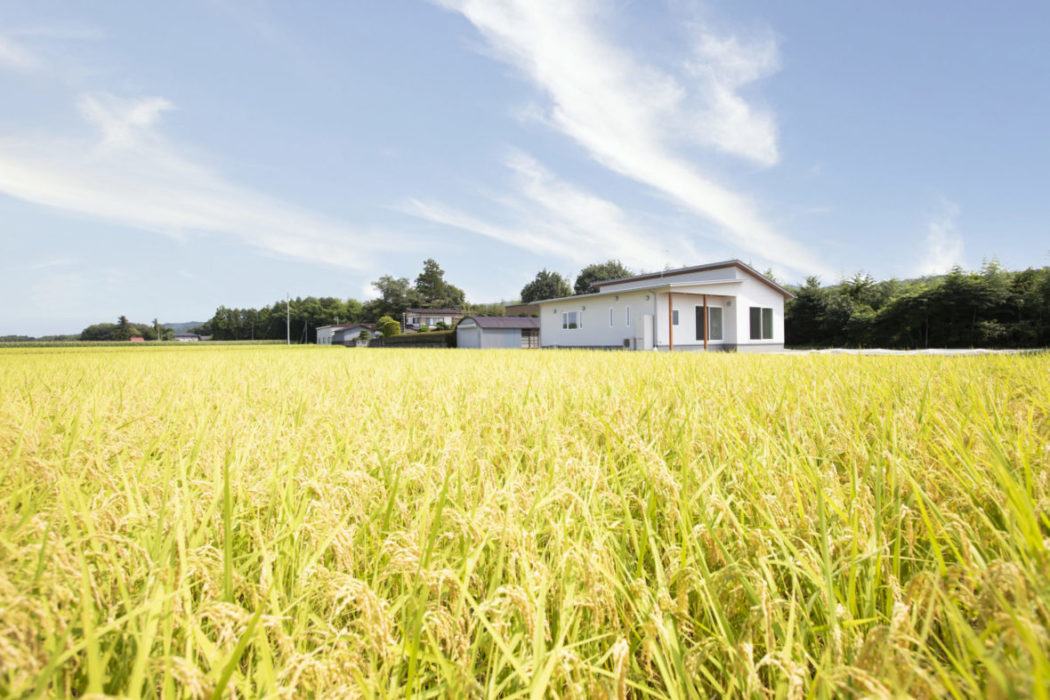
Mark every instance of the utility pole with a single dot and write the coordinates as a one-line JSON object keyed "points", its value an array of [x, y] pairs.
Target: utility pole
{"points": [[288, 318]]}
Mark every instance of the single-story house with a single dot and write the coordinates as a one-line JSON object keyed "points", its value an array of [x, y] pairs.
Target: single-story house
{"points": [[498, 332], [351, 335], [343, 333], [413, 319], [187, 337], [326, 333], [719, 306]]}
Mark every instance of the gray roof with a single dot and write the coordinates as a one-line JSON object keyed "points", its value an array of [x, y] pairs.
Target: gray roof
{"points": [[660, 279], [522, 322], [697, 268]]}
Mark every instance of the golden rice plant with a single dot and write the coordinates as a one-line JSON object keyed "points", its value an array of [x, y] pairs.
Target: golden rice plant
{"points": [[289, 522]]}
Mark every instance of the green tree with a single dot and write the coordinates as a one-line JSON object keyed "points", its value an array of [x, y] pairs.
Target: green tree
{"points": [[395, 295], [547, 285], [388, 327], [599, 272], [803, 313], [499, 309], [98, 331], [124, 330], [433, 291]]}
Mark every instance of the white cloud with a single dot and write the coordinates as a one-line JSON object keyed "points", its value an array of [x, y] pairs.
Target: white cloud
{"points": [[123, 122], [944, 244], [554, 217], [15, 57], [134, 177], [633, 118], [722, 119]]}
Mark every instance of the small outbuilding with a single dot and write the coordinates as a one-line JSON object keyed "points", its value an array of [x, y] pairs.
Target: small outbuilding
{"points": [[487, 332]]}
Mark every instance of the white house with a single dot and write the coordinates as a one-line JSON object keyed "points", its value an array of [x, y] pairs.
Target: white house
{"points": [[720, 306], [414, 319]]}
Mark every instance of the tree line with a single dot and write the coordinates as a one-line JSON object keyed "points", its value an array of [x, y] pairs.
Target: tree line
{"points": [[429, 290], [124, 329], [992, 307]]}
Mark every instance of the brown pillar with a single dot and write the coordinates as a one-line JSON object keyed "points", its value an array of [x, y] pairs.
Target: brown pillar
{"points": [[670, 320], [705, 322]]}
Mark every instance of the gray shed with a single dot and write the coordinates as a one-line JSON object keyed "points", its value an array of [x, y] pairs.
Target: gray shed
{"points": [[498, 332]]}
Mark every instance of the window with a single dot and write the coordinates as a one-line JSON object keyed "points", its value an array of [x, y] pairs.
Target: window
{"points": [[674, 317], [610, 317], [714, 323], [571, 320], [761, 323], [627, 317], [530, 338]]}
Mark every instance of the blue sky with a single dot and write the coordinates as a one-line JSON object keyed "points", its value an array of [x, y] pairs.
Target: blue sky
{"points": [[161, 159]]}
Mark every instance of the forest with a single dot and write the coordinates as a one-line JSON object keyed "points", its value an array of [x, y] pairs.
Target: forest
{"points": [[992, 308]]}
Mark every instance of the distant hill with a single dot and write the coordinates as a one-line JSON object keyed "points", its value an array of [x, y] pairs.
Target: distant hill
{"points": [[183, 327]]}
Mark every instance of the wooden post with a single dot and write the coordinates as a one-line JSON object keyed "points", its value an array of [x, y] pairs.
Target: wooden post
{"points": [[670, 319], [705, 322]]}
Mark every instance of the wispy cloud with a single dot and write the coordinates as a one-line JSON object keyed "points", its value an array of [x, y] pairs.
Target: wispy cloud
{"points": [[718, 116], [634, 118], [132, 175], [551, 216], [53, 263], [14, 56], [944, 244]]}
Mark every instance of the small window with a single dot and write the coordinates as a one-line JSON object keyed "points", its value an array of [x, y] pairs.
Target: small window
{"points": [[761, 323], [627, 317], [610, 317], [674, 317]]}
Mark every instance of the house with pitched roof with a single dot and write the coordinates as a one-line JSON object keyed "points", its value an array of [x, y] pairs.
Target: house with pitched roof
{"points": [[717, 306]]}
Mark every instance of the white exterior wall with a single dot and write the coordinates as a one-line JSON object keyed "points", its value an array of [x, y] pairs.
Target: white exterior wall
{"points": [[685, 331], [755, 293], [686, 299], [350, 335], [324, 335], [596, 331], [735, 297]]}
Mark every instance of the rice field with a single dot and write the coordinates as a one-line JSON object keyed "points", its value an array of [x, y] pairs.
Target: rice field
{"points": [[190, 522]]}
